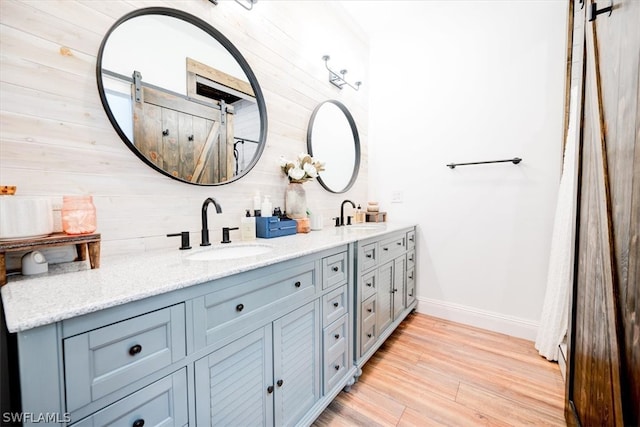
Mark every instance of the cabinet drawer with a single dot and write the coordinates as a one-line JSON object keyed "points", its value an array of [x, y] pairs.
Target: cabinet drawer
{"points": [[411, 258], [368, 285], [244, 304], [335, 353], [334, 305], [411, 239], [392, 247], [368, 256], [334, 270], [163, 403], [104, 360], [368, 330], [335, 337], [411, 286]]}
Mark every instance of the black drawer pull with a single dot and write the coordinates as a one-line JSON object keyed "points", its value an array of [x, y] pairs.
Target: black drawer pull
{"points": [[280, 382], [369, 255], [337, 336], [239, 307], [135, 350], [411, 277], [369, 284], [369, 335], [335, 268], [370, 310], [399, 243], [411, 239], [138, 423], [336, 304], [337, 367], [411, 294], [297, 284], [270, 389], [385, 249], [411, 259]]}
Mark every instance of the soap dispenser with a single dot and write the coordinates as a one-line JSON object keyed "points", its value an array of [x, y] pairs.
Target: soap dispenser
{"points": [[267, 207], [248, 227], [360, 215]]}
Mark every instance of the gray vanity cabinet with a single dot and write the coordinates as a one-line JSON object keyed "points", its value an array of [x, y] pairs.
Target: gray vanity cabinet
{"points": [[268, 377], [385, 289]]}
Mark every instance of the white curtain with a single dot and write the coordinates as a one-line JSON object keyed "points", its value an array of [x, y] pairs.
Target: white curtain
{"points": [[555, 311]]}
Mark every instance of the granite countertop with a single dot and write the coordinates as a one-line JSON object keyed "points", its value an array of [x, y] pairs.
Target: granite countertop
{"points": [[44, 299]]}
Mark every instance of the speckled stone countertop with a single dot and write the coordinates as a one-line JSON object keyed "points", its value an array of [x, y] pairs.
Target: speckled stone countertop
{"points": [[44, 299]]}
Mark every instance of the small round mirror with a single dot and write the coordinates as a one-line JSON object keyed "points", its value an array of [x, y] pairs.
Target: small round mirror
{"points": [[181, 96], [332, 138]]}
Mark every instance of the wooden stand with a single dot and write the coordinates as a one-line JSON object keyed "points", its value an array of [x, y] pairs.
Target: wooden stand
{"points": [[376, 216], [84, 243]]}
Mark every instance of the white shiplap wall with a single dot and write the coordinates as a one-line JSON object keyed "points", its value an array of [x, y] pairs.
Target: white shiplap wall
{"points": [[55, 138]]}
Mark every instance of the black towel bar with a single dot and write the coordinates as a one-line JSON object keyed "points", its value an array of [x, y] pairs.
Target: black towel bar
{"points": [[515, 161]]}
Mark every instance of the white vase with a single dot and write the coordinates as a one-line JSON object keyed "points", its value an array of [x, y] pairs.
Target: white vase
{"points": [[295, 201]]}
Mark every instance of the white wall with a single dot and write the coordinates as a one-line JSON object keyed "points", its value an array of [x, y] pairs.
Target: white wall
{"points": [[467, 81]]}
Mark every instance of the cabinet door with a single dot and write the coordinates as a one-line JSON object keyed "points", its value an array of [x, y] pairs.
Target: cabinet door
{"points": [[296, 347], [232, 383], [399, 269], [385, 297]]}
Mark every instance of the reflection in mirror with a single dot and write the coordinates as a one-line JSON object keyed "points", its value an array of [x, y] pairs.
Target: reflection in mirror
{"points": [[181, 96], [332, 137]]}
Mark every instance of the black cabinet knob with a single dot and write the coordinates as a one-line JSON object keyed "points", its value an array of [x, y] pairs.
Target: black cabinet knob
{"points": [[138, 423], [270, 389], [369, 255], [335, 268], [297, 284], [337, 367], [369, 335], [337, 336], [369, 284], [280, 382], [135, 350], [239, 307], [399, 243], [369, 310], [411, 294], [385, 249], [411, 276], [335, 304]]}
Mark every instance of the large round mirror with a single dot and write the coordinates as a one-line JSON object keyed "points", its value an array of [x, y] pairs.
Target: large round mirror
{"points": [[181, 96], [332, 137]]}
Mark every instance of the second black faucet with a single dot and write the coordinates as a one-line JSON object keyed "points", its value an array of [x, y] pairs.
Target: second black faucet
{"points": [[204, 234]]}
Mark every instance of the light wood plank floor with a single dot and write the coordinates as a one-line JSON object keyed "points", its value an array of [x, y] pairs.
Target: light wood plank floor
{"points": [[432, 372]]}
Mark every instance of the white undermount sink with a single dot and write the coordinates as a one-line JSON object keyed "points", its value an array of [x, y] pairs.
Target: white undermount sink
{"points": [[227, 252]]}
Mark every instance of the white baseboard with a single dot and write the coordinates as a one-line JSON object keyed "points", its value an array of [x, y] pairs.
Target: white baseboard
{"points": [[492, 321]]}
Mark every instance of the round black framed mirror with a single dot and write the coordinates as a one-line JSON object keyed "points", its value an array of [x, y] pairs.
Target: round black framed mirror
{"points": [[181, 96], [332, 137]]}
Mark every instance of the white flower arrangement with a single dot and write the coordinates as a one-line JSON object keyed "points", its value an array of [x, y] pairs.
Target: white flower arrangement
{"points": [[302, 169]]}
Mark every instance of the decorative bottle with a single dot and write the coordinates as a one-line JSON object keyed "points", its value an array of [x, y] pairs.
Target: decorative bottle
{"points": [[78, 215]]}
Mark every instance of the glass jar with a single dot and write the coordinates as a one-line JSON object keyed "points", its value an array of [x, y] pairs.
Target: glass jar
{"points": [[78, 215]]}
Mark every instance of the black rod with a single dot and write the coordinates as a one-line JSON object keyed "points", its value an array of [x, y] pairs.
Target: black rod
{"points": [[515, 161]]}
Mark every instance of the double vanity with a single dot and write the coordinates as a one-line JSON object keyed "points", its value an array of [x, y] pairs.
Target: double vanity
{"points": [[246, 334]]}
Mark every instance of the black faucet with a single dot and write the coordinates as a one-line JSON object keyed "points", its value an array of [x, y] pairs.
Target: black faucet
{"points": [[342, 212], [205, 227]]}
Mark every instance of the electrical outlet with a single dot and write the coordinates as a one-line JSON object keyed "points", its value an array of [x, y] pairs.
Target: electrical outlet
{"points": [[396, 197]]}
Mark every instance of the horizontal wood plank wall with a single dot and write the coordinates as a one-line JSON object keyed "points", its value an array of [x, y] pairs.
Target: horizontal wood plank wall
{"points": [[56, 139]]}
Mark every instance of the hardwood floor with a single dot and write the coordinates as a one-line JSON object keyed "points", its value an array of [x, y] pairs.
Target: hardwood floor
{"points": [[432, 372]]}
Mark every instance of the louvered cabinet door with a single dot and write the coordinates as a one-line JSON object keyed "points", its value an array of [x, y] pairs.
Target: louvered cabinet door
{"points": [[296, 359], [234, 383]]}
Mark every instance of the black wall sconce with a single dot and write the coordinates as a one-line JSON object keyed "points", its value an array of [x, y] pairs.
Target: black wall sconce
{"points": [[338, 80]]}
